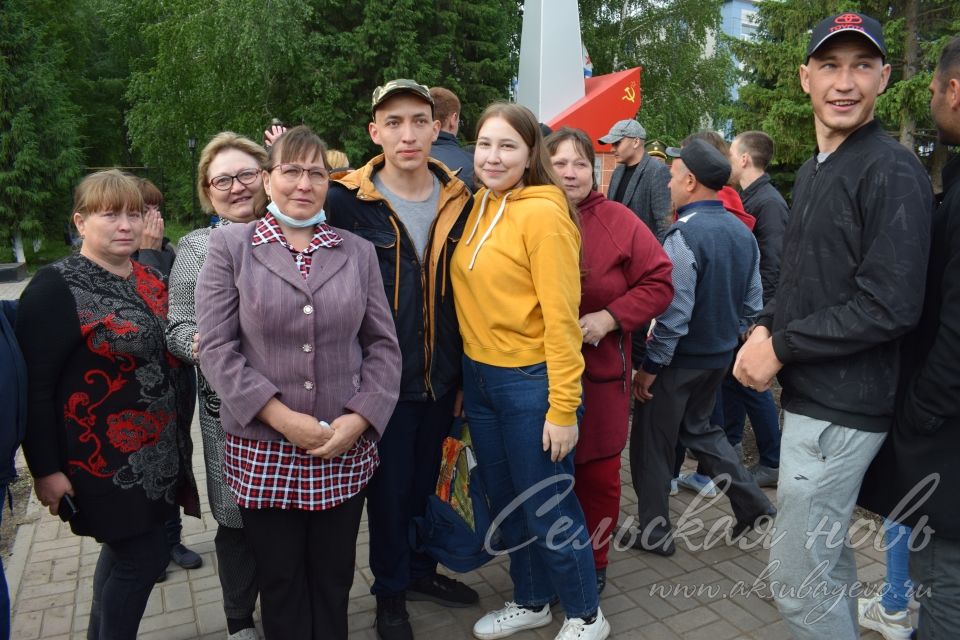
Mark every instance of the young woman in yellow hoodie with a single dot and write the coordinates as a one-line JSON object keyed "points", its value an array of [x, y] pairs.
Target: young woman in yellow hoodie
{"points": [[516, 285]]}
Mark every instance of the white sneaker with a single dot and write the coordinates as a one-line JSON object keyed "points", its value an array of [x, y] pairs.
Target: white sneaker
{"points": [[577, 629], [244, 634], [892, 626], [674, 489], [693, 482], [512, 618]]}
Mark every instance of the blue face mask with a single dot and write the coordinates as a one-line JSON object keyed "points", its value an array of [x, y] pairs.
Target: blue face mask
{"points": [[318, 218]]}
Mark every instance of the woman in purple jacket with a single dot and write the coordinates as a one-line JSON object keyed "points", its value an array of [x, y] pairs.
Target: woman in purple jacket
{"points": [[297, 339]]}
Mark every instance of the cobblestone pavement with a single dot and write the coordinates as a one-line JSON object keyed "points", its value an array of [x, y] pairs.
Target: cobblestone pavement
{"points": [[51, 573], [694, 594]]}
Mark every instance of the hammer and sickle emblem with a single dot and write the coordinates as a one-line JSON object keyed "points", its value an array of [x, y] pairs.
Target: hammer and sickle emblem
{"points": [[848, 19], [629, 94]]}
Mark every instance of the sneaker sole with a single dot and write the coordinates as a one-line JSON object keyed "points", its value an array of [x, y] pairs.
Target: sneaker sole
{"points": [[508, 633], [710, 494], [604, 630], [417, 596], [884, 631]]}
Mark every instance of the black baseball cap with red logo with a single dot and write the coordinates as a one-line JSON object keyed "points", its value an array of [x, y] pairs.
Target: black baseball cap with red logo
{"points": [[845, 23]]}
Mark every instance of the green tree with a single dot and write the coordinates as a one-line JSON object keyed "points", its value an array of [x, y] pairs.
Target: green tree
{"points": [[40, 157], [468, 46], [199, 68], [96, 76], [687, 66]]}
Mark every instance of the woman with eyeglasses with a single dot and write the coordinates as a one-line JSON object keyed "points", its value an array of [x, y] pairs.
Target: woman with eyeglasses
{"points": [[229, 184], [298, 340], [101, 438]]}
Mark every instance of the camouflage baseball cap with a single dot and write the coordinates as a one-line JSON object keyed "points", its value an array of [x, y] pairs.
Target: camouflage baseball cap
{"points": [[400, 85]]}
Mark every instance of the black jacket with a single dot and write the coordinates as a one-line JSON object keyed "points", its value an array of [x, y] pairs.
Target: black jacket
{"points": [[762, 200], [419, 293], [448, 151], [925, 438], [13, 395], [851, 280]]}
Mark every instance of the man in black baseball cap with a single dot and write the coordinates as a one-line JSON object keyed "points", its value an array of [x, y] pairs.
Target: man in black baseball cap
{"points": [[716, 280], [709, 166], [857, 23], [853, 276]]}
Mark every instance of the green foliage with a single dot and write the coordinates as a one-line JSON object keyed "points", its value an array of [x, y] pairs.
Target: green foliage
{"points": [[687, 68], [467, 46], [40, 155], [200, 68]]}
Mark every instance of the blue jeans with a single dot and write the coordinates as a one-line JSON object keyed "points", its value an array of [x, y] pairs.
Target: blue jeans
{"points": [[546, 532], [734, 403], [896, 537]]}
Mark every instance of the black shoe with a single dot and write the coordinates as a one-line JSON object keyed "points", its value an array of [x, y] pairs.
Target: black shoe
{"points": [[162, 577], [442, 590], [741, 527], [601, 580], [393, 622], [659, 543], [185, 557]]}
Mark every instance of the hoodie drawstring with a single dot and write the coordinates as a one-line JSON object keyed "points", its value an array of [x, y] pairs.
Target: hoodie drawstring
{"points": [[486, 234], [483, 207]]}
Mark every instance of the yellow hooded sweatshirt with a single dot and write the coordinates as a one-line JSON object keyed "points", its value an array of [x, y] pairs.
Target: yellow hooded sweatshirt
{"points": [[516, 286]]}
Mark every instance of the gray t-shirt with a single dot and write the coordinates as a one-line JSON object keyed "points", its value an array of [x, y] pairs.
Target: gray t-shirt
{"points": [[415, 216]]}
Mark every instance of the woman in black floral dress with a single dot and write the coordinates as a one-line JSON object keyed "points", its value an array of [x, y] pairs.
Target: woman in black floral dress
{"points": [[102, 408]]}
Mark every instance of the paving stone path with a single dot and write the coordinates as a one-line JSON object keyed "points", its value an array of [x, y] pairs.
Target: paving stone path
{"points": [[694, 594]]}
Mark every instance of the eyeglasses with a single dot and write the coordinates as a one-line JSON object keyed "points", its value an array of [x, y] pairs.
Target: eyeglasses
{"points": [[292, 173], [225, 183]]}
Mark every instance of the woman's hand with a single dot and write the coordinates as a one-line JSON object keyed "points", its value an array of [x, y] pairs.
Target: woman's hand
{"points": [[596, 325], [195, 347], [305, 431], [271, 134], [346, 429], [559, 441], [152, 237], [50, 490]]}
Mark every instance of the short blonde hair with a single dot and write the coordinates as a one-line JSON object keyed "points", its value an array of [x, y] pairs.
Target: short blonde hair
{"points": [[108, 190], [221, 142], [337, 159]]}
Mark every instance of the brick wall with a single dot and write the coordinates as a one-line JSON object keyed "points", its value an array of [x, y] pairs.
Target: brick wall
{"points": [[606, 166]]}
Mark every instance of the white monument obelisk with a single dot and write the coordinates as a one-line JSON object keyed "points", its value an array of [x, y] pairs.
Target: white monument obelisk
{"points": [[551, 57]]}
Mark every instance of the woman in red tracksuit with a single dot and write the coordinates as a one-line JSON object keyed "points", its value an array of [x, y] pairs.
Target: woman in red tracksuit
{"points": [[627, 282]]}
